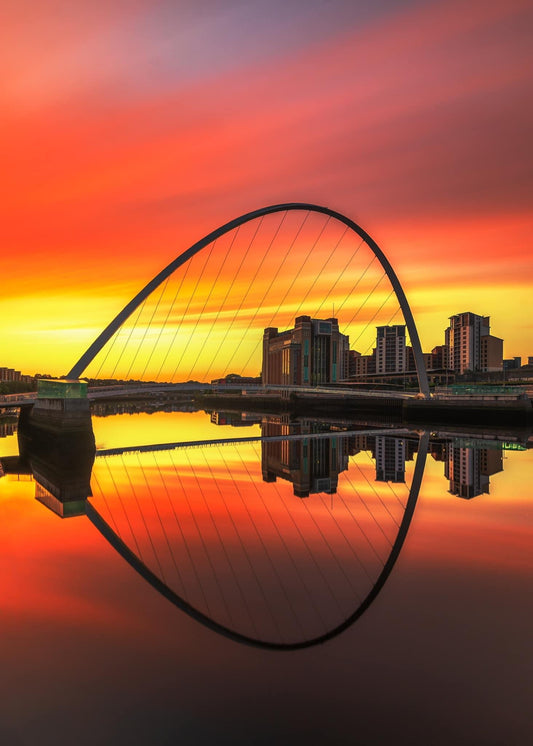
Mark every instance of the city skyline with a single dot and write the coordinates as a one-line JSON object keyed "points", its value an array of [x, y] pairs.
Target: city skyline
{"points": [[116, 166], [432, 359]]}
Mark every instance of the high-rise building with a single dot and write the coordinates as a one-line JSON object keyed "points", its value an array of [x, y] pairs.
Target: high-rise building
{"points": [[365, 365], [439, 356], [314, 352], [470, 345], [391, 354], [491, 354]]}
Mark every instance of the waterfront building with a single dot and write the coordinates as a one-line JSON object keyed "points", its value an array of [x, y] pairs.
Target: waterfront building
{"points": [[365, 365], [512, 363], [439, 355], [10, 375], [391, 351], [427, 357], [313, 352], [353, 357], [470, 345], [491, 352]]}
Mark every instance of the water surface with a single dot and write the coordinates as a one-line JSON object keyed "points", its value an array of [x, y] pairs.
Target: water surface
{"points": [[227, 593]]}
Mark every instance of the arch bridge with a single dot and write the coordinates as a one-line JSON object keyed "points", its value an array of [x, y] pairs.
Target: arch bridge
{"points": [[264, 268]]}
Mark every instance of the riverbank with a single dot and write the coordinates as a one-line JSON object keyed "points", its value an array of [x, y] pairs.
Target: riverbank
{"points": [[513, 412]]}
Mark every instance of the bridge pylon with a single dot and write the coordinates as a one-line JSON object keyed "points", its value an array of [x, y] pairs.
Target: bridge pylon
{"points": [[61, 405]]}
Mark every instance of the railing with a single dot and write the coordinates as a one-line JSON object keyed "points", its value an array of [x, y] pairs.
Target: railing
{"points": [[11, 399], [103, 392], [481, 392], [314, 391], [462, 389]]}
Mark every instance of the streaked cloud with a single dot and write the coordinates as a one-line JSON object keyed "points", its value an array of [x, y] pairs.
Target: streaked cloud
{"points": [[132, 129]]}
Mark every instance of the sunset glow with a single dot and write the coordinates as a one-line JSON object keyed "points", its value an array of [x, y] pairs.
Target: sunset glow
{"points": [[131, 130]]}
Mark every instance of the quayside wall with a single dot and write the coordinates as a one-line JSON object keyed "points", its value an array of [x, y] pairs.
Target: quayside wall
{"points": [[515, 412]]}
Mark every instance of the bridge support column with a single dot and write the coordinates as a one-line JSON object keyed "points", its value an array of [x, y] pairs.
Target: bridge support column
{"points": [[61, 405], [56, 441]]}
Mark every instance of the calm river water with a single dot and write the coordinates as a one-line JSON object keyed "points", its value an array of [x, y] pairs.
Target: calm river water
{"points": [[305, 588]]}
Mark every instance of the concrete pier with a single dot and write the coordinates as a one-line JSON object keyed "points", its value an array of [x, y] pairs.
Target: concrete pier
{"points": [[57, 446], [61, 405]]}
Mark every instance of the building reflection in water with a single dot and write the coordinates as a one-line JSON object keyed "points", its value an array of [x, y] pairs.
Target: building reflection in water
{"points": [[7, 429], [217, 530], [468, 465], [311, 465], [235, 419], [469, 468], [314, 466], [239, 553]]}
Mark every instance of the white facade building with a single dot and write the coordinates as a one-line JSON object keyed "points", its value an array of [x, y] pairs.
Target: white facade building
{"points": [[391, 350], [470, 345]]}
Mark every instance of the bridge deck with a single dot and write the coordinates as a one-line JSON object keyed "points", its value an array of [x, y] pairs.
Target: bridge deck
{"points": [[8, 401]]}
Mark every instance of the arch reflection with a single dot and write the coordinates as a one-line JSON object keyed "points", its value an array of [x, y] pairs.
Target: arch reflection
{"points": [[250, 558], [280, 541]]}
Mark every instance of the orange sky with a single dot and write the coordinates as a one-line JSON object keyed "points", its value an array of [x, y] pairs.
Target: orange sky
{"points": [[130, 130]]}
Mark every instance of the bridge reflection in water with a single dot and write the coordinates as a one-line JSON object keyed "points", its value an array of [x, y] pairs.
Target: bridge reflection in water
{"points": [[262, 561]]}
